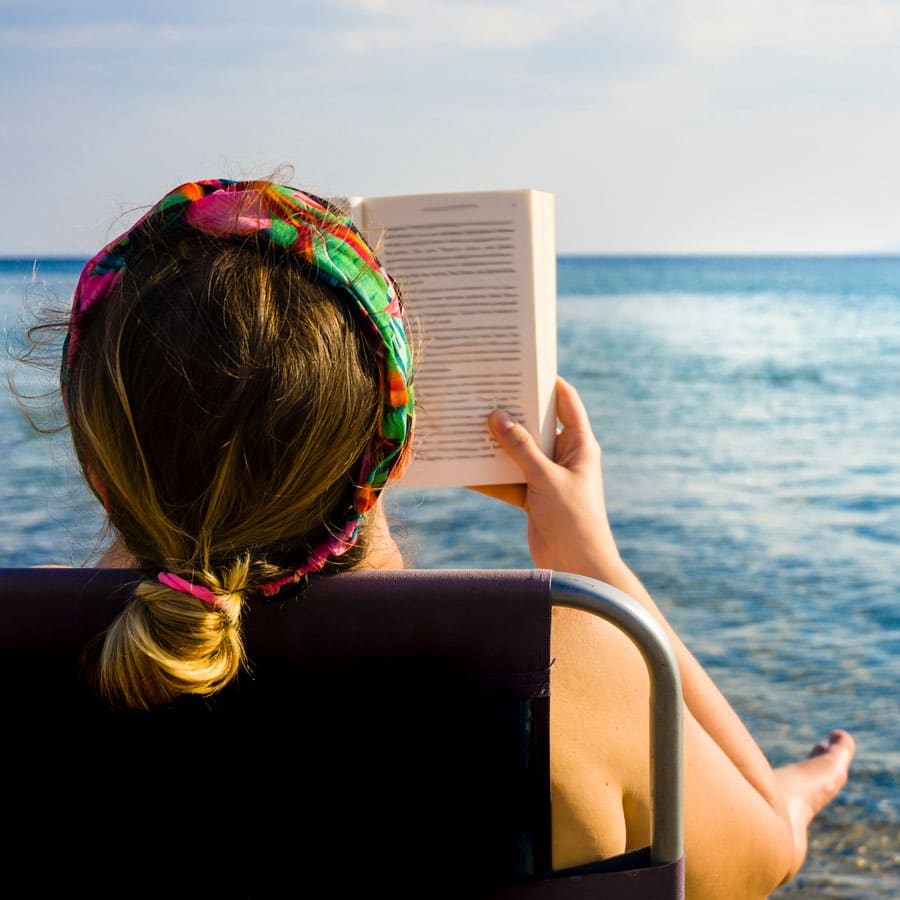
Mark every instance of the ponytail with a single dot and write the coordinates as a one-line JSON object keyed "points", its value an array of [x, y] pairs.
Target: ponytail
{"points": [[166, 642]]}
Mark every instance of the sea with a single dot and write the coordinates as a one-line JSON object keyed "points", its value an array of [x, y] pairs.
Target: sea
{"points": [[749, 412]]}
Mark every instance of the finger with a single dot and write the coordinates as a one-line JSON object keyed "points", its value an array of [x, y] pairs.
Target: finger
{"points": [[570, 410], [519, 444], [513, 494]]}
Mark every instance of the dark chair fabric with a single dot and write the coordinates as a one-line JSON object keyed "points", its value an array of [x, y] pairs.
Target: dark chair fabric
{"points": [[390, 737]]}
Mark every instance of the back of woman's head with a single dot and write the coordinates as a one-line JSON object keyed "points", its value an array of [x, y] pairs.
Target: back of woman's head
{"points": [[233, 400]]}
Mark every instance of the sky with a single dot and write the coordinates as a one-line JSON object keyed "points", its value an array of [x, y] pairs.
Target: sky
{"points": [[661, 126]]}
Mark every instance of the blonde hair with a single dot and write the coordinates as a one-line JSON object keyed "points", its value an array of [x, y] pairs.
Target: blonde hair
{"points": [[221, 400]]}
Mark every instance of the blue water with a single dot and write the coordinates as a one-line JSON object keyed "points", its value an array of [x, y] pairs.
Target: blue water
{"points": [[749, 411]]}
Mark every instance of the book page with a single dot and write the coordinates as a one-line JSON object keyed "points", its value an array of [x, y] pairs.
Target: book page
{"points": [[478, 277]]}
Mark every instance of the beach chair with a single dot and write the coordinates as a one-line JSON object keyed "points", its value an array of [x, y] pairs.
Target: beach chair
{"points": [[389, 738]]}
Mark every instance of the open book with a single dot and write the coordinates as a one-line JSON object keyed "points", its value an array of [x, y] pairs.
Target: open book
{"points": [[477, 272]]}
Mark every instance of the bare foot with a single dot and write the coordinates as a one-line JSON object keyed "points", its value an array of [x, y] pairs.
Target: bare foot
{"points": [[812, 783]]}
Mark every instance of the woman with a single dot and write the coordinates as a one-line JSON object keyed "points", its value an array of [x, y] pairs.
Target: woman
{"points": [[238, 383]]}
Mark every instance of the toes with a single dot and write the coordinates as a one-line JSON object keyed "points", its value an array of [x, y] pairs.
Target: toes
{"points": [[843, 741], [839, 736], [839, 741]]}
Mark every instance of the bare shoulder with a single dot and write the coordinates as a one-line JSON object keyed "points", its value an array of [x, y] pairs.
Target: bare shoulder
{"points": [[600, 771], [599, 740]]}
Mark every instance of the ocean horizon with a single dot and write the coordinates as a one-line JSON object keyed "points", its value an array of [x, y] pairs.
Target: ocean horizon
{"points": [[749, 411]]}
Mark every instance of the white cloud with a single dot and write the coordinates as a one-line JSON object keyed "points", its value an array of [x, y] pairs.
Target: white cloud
{"points": [[666, 94], [119, 35], [417, 24], [719, 31], [28, 37]]}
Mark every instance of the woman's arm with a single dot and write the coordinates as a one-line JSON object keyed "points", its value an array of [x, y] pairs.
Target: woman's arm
{"points": [[733, 795]]}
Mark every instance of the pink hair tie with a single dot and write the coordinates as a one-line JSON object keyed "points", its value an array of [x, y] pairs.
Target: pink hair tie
{"points": [[177, 583]]}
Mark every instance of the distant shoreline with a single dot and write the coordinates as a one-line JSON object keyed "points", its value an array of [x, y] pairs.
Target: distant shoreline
{"points": [[69, 259]]}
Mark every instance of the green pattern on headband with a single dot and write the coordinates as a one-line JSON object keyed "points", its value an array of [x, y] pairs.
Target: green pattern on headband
{"points": [[326, 239]]}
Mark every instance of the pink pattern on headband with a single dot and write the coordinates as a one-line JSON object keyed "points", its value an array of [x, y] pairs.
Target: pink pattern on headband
{"points": [[227, 214]]}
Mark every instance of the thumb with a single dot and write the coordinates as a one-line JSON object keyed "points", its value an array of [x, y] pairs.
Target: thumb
{"points": [[519, 445]]}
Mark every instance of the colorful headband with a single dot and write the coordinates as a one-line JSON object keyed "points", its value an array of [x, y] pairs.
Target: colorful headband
{"points": [[326, 239]]}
